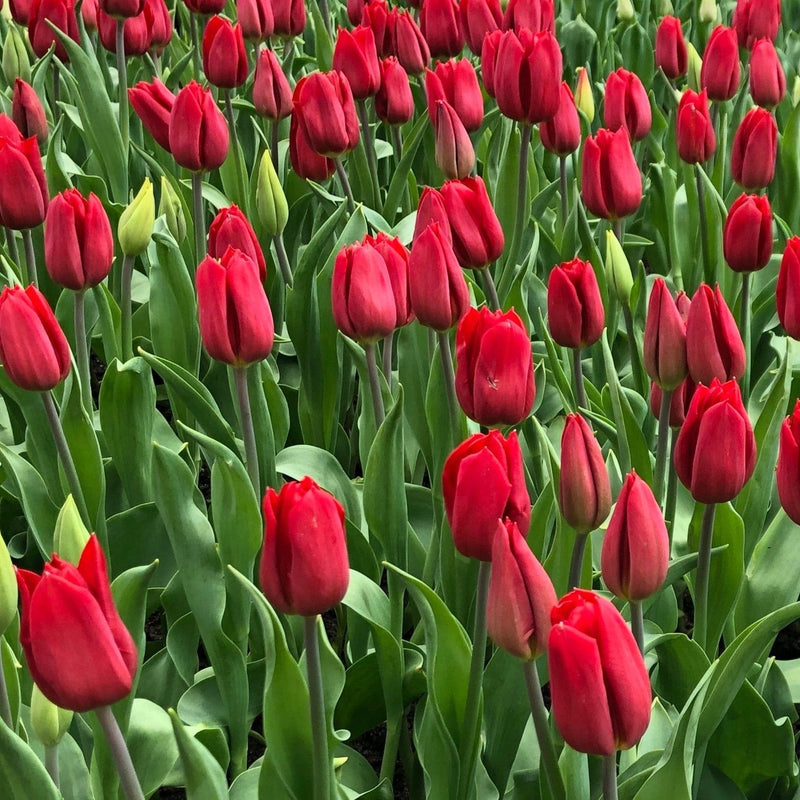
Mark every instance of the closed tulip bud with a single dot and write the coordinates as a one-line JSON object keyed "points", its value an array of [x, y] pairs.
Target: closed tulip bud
{"points": [[198, 132], [618, 270], [8, 589], [271, 205], [89, 11], [18, 10], [235, 318], [439, 293], [375, 15], [289, 17], [708, 12], [756, 19], [137, 33], [715, 452], [635, 553], [122, 8], [599, 686], [527, 76], [48, 721], [171, 208], [679, 404], [78, 650], [153, 104], [159, 21], [231, 228], [272, 95], [356, 57], [489, 59], [788, 469], [479, 17], [454, 153], [755, 150], [627, 105], [521, 596], [33, 349], [136, 223], [306, 162], [584, 98], [671, 54], [747, 235], [575, 312], [205, 7], [394, 103], [256, 19], [224, 58], [664, 339], [325, 102], [487, 467], [23, 186], [362, 297], [408, 43], [714, 348], [611, 184], [477, 234], [695, 130], [625, 11], [441, 27], [395, 256], [70, 535], [431, 208], [304, 567], [15, 57], [61, 13], [27, 112], [787, 293], [695, 68], [456, 82], [78, 246], [355, 10], [562, 134], [533, 15], [720, 73], [767, 79]]}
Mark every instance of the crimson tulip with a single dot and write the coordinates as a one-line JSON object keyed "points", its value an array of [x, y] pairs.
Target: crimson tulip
{"points": [[755, 149], [453, 152], [441, 27], [491, 42], [27, 112], [121, 8], [20, 11], [679, 404], [136, 31], [575, 312], [611, 184], [256, 19], [747, 234], [289, 17], [224, 57], [694, 128], [671, 53], [394, 103], [324, 106], [627, 105], [721, 72], [272, 95], [375, 15], [153, 104], [479, 17], [787, 472], [205, 7], [23, 186], [664, 339], [159, 22], [787, 292], [533, 15], [306, 162], [431, 208], [198, 133], [767, 78], [395, 256], [61, 14], [408, 43], [356, 58], [231, 228], [456, 82], [756, 19], [562, 134]]}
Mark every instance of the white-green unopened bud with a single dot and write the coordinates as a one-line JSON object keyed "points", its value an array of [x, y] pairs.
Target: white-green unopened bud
{"points": [[171, 208], [796, 91], [618, 270], [136, 223], [15, 57], [665, 8], [709, 11], [271, 205], [695, 64], [49, 722], [70, 535], [8, 589], [625, 10]]}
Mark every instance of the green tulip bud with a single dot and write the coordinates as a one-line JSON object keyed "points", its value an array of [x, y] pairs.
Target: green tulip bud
{"points": [[5, 11], [171, 208], [618, 270], [8, 589], [708, 11], [271, 205], [665, 8], [136, 223], [49, 722], [796, 92], [694, 67], [584, 99], [625, 10], [70, 535], [15, 57]]}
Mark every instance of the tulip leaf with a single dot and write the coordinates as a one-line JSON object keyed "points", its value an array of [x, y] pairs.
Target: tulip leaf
{"points": [[789, 183], [414, 371], [22, 775], [260, 381], [151, 742], [205, 779], [397, 184]]}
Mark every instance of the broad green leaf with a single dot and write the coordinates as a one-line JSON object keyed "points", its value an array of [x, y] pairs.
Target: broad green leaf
{"points": [[205, 779], [22, 775], [152, 745]]}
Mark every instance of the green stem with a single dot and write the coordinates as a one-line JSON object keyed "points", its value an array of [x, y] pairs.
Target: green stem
{"points": [[374, 384], [122, 85], [470, 739], [56, 93], [662, 445], [397, 142], [576, 562], [708, 271], [633, 349], [346, 188], [241, 183], [51, 763], [577, 374], [563, 186], [326, 16], [386, 358], [119, 753], [283, 260], [11, 244], [82, 350], [491, 290], [273, 142], [637, 623], [198, 64], [744, 326], [199, 217], [396, 723], [700, 632], [321, 762], [248, 432], [62, 448], [523, 212], [446, 357], [5, 704], [539, 714], [610, 777], [127, 308], [30, 258], [369, 147], [106, 319], [672, 490]]}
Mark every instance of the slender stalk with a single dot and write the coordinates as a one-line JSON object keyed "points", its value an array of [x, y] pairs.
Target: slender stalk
{"points": [[30, 258], [618, 226], [248, 432], [539, 714], [577, 374], [199, 217], [636, 363], [672, 491], [386, 359], [446, 356], [122, 85], [637, 623], [662, 445], [126, 309], [198, 64], [321, 762], [82, 350], [273, 142], [11, 244], [51, 763], [5, 704], [375, 384], [56, 92], [397, 142], [522, 216], [563, 185], [283, 260], [237, 161], [326, 16], [744, 326], [491, 290], [472, 709], [394, 729], [610, 777], [369, 147], [701, 581], [701, 198], [576, 562], [119, 753], [346, 188], [423, 90]]}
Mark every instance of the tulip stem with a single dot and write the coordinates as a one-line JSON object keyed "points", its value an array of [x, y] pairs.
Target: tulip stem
{"points": [[637, 623], [470, 738], [446, 357], [283, 260], [56, 93], [11, 244], [539, 714], [326, 16], [563, 185], [700, 632], [237, 161], [62, 448], [119, 753], [521, 218], [82, 350], [198, 66], [610, 777], [374, 384], [5, 705], [662, 445], [51, 763], [273, 141], [386, 358], [576, 563], [369, 147], [122, 85], [640, 384], [199, 218], [577, 372], [491, 290], [672, 490], [321, 762], [126, 310], [397, 141], [744, 327], [30, 258], [346, 188], [708, 275], [248, 432]]}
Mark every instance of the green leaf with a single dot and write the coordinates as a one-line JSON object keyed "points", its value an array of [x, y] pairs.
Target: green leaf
{"points": [[397, 184], [151, 742], [205, 779], [22, 775]]}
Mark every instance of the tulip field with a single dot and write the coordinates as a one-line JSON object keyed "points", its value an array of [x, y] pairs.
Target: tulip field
{"points": [[399, 399]]}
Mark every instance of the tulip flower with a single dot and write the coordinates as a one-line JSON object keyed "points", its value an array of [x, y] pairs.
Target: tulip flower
{"points": [[767, 79], [394, 103], [479, 17], [306, 162], [395, 256], [488, 467], [205, 7], [456, 82], [324, 106], [440, 25], [787, 292], [28, 113], [756, 19], [23, 186], [78, 650], [671, 54], [224, 57], [231, 228], [664, 339], [715, 453], [153, 104], [521, 596], [611, 184], [304, 566], [235, 318], [788, 470], [627, 105], [575, 313], [535, 15], [431, 208], [289, 17], [489, 60], [375, 15], [271, 204], [584, 99], [20, 11], [720, 72], [198, 132], [714, 348], [562, 134], [679, 402], [408, 43], [160, 23], [272, 95], [256, 19], [695, 131], [137, 33], [599, 686], [747, 234], [453, 153], [494, 367], [754, 150], [121, 8], [61, 14], [355, 56]]}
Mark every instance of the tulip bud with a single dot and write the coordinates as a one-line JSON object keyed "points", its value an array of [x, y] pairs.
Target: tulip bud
{"points": [[153, 104], [489, 467], [627, 105], [671, 54], [356, 57], [158, 18], [715, 452], [521, 596], [59, 13], [562, 134], [584, 99], [787, 292], [489, 60], [256, 19], [324, 103], [8, 589], [271, 205], [611, 184], [70, 535], [137, 33], [205, 7], [694, 69], [747, 235], [408, 43], [575, 312], [694, 128], [272, 95], [375, 15], [48, 721], [721, 71], [679, 404], [755, 150], [534, 15], [708, 12], [289, 17], [599, 686], [395, 257], [456, 82], [171, 208], [767, 79], [756, 19], [198, 132], [664, 339], [454, 153], [231, 228], [440, 25], [618, 270], [224, 58], [625, 11], [28, 113], [584, 490], [137, 220], [431, 208], [788, 469], [23, 189], [15, 57], [394, 103], [479, 17], [304, 567], [306, 162]]}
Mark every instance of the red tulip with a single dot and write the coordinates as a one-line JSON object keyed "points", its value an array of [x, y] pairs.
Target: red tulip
{"points": [[627, 105], [272, 95], [479, 17], [198, 133], [756, 19], [231, 228], [224, 58], [61, 13], [394, 103], [122, 8], [28, 113], [431, 208], [456, 82], [695, 131], [408, 43], [755, 149], [575, 310], [454, 153], [787, 293], [289, 17], [533, 15], [395, 256], [788, 470], [747, 236], [256, 19], [159, 22], [356, 57], [679, 404], [324, 106], [375, 15], [671, 53], [767, 79], [562, 134], [23, 186], [136, 31], [491, 42], [20, 11], [441, 27], [720, 72], [306, 162], [153, 104], [611, 184], [205, 7], [664, 339]]}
